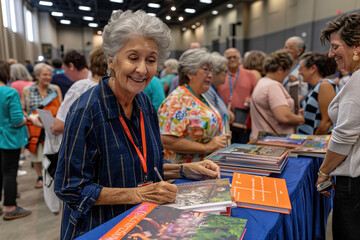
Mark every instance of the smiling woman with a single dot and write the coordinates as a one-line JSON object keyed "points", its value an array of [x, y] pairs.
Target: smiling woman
{"points": [[111, 143]]}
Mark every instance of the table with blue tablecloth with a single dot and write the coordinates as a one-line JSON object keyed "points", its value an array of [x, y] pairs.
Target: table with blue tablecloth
{"points": [[307, 219]]}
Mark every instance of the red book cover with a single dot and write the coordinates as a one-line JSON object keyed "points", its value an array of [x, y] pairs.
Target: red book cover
{"points": [[151, 221]]}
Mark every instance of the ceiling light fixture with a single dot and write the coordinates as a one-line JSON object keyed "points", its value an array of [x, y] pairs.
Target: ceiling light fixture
{"points": [[93, 25], [190, 10], [173, 8], [181, 19], [99, 32], [114, 11], [57, 14], [84, 8], [153, 5], [168, 17], [206, 1], [193, 26], [197, 24], [229, 5], [63, 21], [117, 1], [46, 3], [184, 29], [151, 14], [88, 18], [214, 12]]}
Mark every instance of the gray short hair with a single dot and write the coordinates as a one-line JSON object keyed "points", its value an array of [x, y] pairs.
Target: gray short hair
{"points": [[40, 66], [219, 62], [124, 25], [190, 61], [299, 43], [173, 64], [19, 72]]}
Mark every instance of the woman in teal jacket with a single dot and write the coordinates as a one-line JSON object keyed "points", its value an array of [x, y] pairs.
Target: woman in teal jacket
{"points": [[13, 136]]}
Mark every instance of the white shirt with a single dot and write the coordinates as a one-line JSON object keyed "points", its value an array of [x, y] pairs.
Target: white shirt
{"points": [[344, 111], [75, 91]]}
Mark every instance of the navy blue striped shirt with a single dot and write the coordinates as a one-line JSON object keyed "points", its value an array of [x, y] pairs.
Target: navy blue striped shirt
{"points": [[96, 153]]}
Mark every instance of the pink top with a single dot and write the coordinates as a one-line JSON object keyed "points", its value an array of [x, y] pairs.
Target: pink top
{"points": [[19, 85], [268, 95], [243, 88]]}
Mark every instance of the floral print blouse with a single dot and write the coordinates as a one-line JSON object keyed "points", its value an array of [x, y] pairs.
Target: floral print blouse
{"points": [[182, 114]]}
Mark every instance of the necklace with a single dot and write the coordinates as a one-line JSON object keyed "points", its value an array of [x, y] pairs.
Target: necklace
{"points": [[356, 68]]}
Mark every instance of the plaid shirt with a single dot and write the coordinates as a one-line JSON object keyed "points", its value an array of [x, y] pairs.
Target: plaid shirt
{"points": [[32, 97], [96, 153]]}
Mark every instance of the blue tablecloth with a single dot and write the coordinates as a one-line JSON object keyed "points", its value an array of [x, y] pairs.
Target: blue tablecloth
{"points": [[307, 219]]}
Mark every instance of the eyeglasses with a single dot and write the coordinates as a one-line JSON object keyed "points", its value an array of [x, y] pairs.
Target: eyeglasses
{"points": [[230, 57], [208, 70]]}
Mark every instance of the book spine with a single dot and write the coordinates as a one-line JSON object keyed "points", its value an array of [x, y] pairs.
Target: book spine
{"points": [[129, 222]]}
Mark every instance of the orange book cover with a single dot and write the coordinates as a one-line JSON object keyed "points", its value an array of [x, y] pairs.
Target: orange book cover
{"points": [[264, 193]]}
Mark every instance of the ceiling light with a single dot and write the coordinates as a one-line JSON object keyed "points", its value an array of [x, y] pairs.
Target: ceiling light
{"points": [[190, 10], [168, 17], [153, 5], [181, 18], [117, 1], [99, 32], [46, 3], [193, 26], [57, 14], [197, 24], [151, 14], [173, 8], [214, 12], [184, 29], [88, 18], [206, 1], [63, 21], [93, 25], [229, 5], [114, 11], [84, 8]]}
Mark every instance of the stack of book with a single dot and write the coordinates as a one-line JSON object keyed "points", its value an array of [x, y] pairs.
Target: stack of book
{"points": [[314, 146], [263, 193], [251, 159], [285, 142], [152, 221], [211, 196]]}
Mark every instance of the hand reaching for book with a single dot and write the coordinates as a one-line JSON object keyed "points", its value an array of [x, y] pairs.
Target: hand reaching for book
{"points": [[201, 170], [217, 143], [159, 193]]}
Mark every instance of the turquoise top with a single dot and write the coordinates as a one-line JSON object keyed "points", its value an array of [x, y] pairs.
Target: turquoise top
{"points": [[155, 92], [11, 115]]}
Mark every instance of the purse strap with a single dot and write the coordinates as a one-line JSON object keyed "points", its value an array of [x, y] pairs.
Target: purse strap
{"points": [[272, 128]]}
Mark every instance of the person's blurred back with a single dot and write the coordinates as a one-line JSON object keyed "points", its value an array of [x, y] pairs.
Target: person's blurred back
{"points": [[59, 78]]}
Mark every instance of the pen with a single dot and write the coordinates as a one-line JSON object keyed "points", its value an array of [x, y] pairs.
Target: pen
{"points": [[158, 174]]}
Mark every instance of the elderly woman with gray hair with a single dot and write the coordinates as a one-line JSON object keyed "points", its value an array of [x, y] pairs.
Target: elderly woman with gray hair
{"points": [[219, 64], [171, 70], [190, 125], [40, 95], [111, 157], [20, 77]]}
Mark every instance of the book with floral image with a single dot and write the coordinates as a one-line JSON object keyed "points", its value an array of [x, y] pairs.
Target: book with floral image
{"points": [[152, 221], [202, 194]]}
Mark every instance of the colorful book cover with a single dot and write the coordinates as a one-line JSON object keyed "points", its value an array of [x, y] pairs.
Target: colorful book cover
{"points": [[323, 138], [264, 193], [312, 146], [151, 221], [250, 151], [200, 194], [281, 142]]}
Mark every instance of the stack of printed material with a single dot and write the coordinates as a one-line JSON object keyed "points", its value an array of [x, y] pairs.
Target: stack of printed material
{"points": [[315, 145], [251, 159], [264, 193], [152, 221], [285, 142], [211, 196]]}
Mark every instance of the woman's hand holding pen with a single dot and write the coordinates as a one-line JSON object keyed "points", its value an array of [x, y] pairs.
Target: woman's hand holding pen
{"points": [[159, 193]]}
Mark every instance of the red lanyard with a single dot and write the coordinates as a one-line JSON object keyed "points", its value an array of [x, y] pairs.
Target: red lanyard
{"points": [[143, 139]]}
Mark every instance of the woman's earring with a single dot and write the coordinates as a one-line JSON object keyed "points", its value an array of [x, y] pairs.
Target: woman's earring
{"points": [[355, 57]]}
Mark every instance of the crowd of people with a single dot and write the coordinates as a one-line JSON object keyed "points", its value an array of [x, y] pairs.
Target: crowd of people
{"points": [[121, 119]]}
